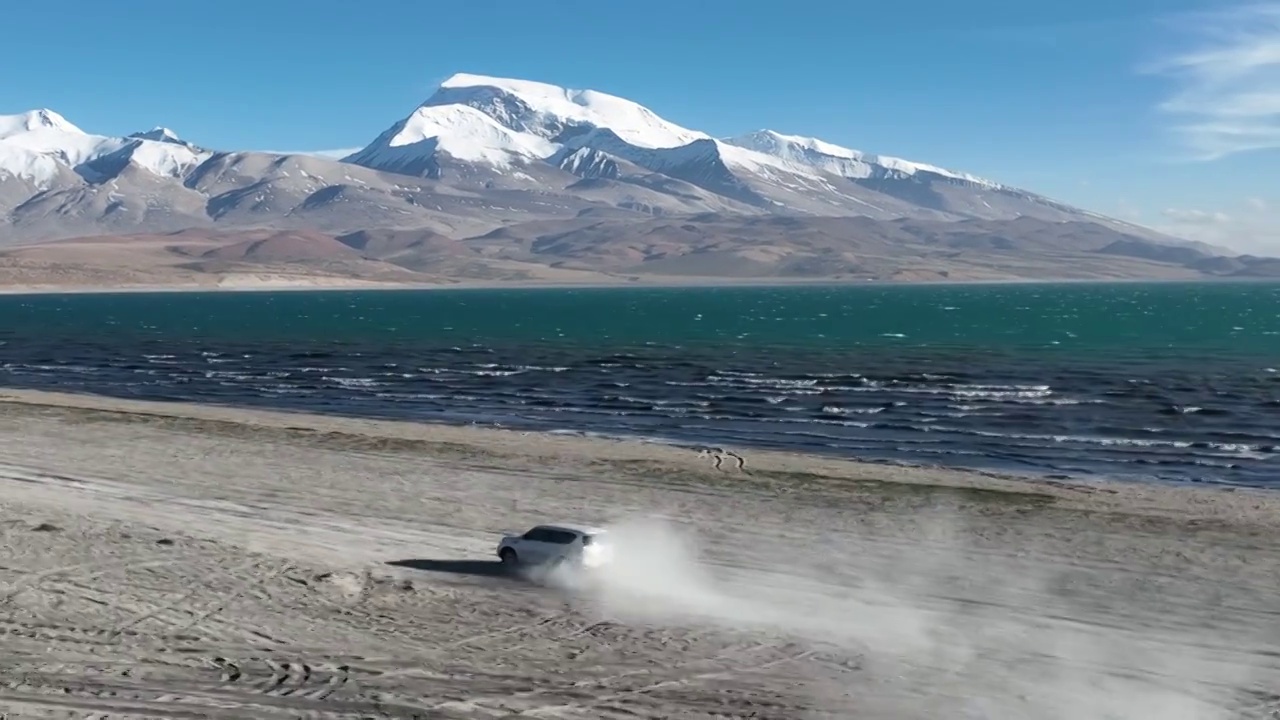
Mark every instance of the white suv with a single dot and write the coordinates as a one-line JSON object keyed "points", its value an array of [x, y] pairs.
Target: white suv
{"points": [[553, 545]]}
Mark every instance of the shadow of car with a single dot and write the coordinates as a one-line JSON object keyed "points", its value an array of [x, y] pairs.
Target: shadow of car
{"points": [[475, 568], [495, 569]]}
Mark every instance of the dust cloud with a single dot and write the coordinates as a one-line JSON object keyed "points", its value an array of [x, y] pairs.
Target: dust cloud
{"points": [[1012, 647]]}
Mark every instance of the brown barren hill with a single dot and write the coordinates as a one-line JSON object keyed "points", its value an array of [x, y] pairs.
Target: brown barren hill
{"points": [[285, 247], [385, 244]]}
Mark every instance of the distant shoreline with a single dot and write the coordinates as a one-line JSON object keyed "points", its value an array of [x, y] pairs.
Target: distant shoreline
{"points": [[657, 283]]}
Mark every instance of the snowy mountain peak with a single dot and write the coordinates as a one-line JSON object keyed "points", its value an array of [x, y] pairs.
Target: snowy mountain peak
{"points": [[511, 85], [159, 134], [498, 121], [550, 111], [461, 131], [34, 120]]}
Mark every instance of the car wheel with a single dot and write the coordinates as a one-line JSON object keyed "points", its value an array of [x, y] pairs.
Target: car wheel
{"points": [[509, 557]]}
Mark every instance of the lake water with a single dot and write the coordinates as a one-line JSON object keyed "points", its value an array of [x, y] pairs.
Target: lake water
{"points": [[1173, 382]]}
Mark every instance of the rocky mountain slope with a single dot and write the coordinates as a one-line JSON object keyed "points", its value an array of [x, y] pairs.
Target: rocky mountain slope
{"points": [[490, 171]]}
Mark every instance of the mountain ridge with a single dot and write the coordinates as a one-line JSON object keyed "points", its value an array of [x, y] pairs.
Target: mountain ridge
{"points": [[487, 160]]}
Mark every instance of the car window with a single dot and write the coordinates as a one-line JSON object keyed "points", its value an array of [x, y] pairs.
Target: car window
{"points": [[588, 540], [549, 535], [562, 537]]}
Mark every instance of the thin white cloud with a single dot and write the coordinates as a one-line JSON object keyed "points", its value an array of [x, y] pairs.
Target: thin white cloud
{"points": [[330, 154], [334, 154], [1196, 217], [1251, 228], [1227, 81]]}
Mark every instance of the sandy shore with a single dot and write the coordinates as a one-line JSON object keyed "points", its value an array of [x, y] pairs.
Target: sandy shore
{"points": [[317, 283], [165, 560]]}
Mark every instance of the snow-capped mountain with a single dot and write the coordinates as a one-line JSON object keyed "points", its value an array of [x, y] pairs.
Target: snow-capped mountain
{"points": [[58, 181], [517, 127], [482, 154], [499, 120], [40, 145]]}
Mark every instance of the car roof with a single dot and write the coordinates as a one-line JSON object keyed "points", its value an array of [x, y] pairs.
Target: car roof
{"points": [[574, 527]]}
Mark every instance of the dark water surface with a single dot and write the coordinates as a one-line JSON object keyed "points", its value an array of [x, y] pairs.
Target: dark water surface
{"points": [[1175, 382]]}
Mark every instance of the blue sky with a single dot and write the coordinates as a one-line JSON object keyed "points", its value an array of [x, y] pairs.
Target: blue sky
{"points": [[1162, 111]]}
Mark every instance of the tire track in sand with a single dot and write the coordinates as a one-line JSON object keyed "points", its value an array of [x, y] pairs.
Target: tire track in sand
{"points": [[677, 682], [729, 654], [176, 604], [286, 677], [32, 580]]}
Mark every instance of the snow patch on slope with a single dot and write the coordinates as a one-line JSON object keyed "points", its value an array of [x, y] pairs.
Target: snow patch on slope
{"points": [[467, 134], [587, 162], [164, 158], [27, 165], [815, 153]]}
